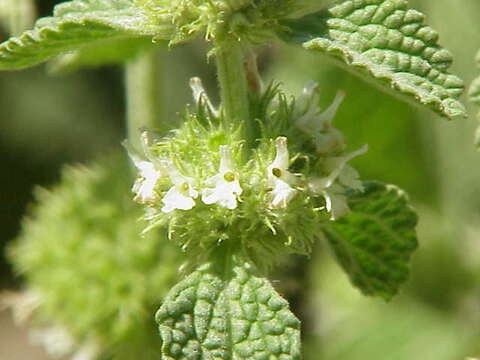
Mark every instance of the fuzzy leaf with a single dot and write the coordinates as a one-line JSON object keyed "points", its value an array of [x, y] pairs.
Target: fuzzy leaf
{"points": [[78, 23], [385, 41], [374, 242], [239, 316]]}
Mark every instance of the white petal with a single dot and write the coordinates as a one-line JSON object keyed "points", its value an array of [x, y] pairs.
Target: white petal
{"points": [[336, 202], [350, 178], [225, 159], [175, 199], [224, 194], [282, 157], [281, 194], [340, 162]]}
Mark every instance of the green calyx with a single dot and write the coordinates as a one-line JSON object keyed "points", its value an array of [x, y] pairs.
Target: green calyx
{"points": [[262, 200], [242, 20]]}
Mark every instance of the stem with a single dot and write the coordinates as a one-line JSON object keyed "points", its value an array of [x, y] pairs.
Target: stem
{"points": [[233, 85], [143, 94]]}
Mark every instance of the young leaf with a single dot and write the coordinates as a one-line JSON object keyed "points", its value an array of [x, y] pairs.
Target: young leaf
{"points": [[78, 23], [374, 242], [384, 40], [237, 316]]}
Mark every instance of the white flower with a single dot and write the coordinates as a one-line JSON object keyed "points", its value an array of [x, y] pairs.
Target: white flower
{"points": [[317, 123], [181, 195], [144, 187], [334, 193], [279, 178], [226, 185], [148, 173]]}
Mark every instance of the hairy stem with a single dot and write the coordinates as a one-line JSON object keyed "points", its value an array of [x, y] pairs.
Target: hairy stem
{"points": [[233, 84], [143, 94]]}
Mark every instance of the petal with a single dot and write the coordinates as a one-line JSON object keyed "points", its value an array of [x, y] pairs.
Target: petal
{"points": [[282, 157], [350, 178], [340, 162], [225, 159], [281, 194], [336, 202], [174, 199]]}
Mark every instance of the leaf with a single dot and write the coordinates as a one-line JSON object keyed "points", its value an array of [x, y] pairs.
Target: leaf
{"points": [[384, 40], [78, 23], [239, 316], [374, 242]]}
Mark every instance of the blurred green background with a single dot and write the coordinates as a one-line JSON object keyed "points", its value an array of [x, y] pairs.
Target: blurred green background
{"points": [[48, 121]]}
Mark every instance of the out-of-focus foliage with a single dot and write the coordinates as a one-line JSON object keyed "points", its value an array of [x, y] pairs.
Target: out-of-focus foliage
{"points": [[94, 276]]}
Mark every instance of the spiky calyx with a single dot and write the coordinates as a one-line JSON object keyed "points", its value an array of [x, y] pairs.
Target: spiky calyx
{"points": [[210, 190]]}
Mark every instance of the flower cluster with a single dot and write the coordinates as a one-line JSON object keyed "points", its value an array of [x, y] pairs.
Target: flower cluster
{"points": [[200, 179]]}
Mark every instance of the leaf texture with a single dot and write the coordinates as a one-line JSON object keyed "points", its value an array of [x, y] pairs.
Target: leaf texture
{"points": [[239, 316], [384, 40], [374, 242], [76, 24]]}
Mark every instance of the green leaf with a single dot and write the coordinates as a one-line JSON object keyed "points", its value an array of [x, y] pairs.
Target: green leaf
{"points": [[78, 23], [385, 41], [237, 316], [374, 242]]}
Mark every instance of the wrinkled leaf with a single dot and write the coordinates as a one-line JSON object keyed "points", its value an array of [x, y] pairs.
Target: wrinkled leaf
{"points": [[374, 242], [78, 23], [237, 316], [385, 41]]}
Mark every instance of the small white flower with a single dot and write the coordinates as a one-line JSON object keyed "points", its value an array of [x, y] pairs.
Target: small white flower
{"points": [[334, 193], [181, 195], [148, 173], [226, 185], [144, 187], [279, 178], [317, 123]]}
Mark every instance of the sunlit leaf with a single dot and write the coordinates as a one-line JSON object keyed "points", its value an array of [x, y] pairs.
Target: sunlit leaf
{"points": [[78, 23], [385, 41], [210, 315]]}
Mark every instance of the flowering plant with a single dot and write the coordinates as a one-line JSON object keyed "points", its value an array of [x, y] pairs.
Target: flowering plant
{"points": [[262, 175]]}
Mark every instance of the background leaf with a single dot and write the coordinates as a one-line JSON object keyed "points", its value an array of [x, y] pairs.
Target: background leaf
{"points": [[374, 242], [78, 23], [385, 41], [239, 316]]}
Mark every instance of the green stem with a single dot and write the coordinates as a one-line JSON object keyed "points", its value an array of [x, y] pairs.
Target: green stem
{"points": [[233, 85], [143, 94]]}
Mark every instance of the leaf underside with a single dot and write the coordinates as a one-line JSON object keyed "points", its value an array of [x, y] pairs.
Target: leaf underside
{"points": [[76, 24], [386, 41], [209, 316], [374, 242]]}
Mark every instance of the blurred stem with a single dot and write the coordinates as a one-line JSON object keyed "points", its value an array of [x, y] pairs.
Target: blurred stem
{"points": [[144, 98], [233, 84]]}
